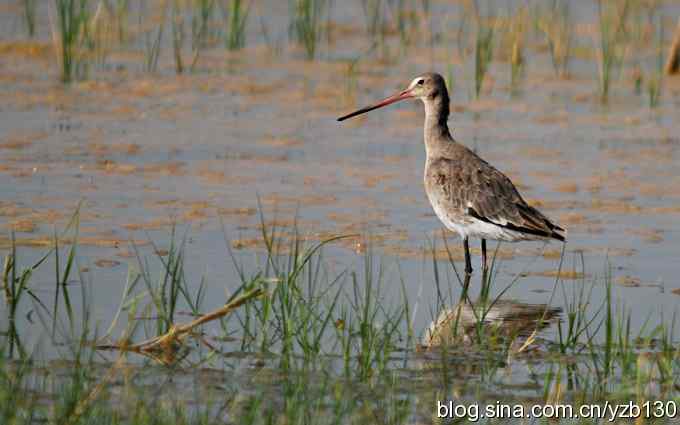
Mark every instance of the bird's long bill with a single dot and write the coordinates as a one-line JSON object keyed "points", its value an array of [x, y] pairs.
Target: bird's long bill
{"points": [[406, 94]]}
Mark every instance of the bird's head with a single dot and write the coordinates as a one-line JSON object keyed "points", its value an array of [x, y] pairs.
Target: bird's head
{"points": [[424, 87], [427, 86]]}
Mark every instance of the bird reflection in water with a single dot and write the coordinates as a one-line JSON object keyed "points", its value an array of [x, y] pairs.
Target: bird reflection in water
{"points": [[502, 319]]}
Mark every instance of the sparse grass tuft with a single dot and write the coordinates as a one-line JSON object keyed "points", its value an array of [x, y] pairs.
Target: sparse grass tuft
{"points": [[306, 23], [72, 19], [29, 16], [557, 27], [235, 19], [484, 43], [152, 43], [612, 16], [516, 38], [654, 82]]}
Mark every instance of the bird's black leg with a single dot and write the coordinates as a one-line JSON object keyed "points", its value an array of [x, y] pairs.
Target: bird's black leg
{"points": [[484, 266], [468, 263]]}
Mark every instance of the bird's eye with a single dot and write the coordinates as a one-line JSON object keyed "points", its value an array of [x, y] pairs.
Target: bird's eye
{"points": [[421, 82]]}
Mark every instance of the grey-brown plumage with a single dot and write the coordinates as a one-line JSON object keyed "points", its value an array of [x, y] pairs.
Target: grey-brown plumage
{"points": [[469, 195]]}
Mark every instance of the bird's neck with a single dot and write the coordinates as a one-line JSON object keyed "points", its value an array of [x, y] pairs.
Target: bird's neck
{"points": [[437, 133]]}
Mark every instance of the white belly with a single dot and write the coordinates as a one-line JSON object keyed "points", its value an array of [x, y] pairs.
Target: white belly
{"points": [[469, 226]]}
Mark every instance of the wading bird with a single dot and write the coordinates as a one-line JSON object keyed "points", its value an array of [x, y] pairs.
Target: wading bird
{"points": [[469, 195]]}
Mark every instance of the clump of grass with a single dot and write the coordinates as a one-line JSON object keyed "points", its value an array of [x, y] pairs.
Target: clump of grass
{"points": [[177, 20], [152, 42], [557, 27], [72, 18], [306, 23], [373, 12], [29, 16], [121, 12], [202, 13], [484, 44], [235, 19], [406, 20], [612, 16], [516, 36], [654, 83], [15, 286]]}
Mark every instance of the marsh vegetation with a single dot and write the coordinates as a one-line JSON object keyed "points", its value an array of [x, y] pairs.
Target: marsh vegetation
{"points": [[186, 237]]}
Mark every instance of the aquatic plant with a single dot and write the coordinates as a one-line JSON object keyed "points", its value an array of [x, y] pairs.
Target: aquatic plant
{"points": [[177, 20], [517, 33], [29, 16], [72, 18], [306, 25], [484, 38], [152, 43], [406, 20], [235, 19], [15, 285], [202, 13], [654, 82], [612, 16], [311, 339], [374, 17], [557, 28]]}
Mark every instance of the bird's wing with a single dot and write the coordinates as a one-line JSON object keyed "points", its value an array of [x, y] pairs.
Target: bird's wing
{"points": [[481, 191]]}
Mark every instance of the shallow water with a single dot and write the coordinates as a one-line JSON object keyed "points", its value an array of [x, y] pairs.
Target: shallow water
{"points": [[144, 151]]}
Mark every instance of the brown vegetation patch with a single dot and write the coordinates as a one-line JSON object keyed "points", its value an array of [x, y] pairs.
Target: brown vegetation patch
{"points": [[107, 241], [572, 218], [154, 224], [552, 253], [656, 190], [628, 281], [248, 243], [210, 176], [10, 209], [562, 119], [608, 251], [27, 49], [308, 200], [615, 206], [155, 88], [358, 217], [54, 96], [197, 211], [566, 187], [561, 274], [24, 225], [244, 212], [220, 177], [38, 242], [175, 168], [126, 111], [22, 141], [111, 167], [675, 209], [647, 235], [282, 142], [126, 253], [106, 263]]}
